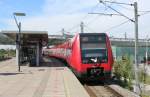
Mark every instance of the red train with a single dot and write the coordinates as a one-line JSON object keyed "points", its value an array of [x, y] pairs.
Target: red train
{"points": [[88, 54]]}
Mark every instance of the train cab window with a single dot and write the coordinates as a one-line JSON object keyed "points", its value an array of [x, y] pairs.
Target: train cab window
{"points": [[93, 49]]}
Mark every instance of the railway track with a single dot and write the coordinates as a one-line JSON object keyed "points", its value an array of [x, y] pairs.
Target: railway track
{"points": [[101, 91]]}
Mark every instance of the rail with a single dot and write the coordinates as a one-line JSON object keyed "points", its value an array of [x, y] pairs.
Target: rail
{"points": [[101, 91]]}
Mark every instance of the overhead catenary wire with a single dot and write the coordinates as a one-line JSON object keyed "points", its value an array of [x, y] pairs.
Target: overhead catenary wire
{"points": [[115, 2], [93, 20], [113, 27], [86, 15], [95, 7], [83, 18], [116, 26], [88, 28], [146, 12], [106, 14], [74, 27], [129, 9], [116, 11]]}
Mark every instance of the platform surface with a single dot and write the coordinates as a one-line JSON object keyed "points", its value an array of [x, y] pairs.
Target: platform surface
{"points": [[46, 81]]}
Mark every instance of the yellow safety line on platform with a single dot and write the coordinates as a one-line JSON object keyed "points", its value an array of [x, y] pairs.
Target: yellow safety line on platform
{"points": [[67, 92]]}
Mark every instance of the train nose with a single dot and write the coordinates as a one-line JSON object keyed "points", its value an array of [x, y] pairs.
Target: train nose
{"points": [[96, 72], [96, 65]]}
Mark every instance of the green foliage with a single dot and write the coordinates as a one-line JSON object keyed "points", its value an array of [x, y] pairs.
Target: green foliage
{"points": [[5, 54], [147, 80], [6, 40], [143, 95], [117, 69], [123, 69], [124, 73], [142, 75]]}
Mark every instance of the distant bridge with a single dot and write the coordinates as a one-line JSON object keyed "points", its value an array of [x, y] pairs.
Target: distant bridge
{"points": [[128, 42], [123, 42]]}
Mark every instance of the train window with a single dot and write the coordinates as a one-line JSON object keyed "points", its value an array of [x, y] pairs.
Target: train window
{"points": [[93, 38], [93, 47], [100, 38], [99, 54]]}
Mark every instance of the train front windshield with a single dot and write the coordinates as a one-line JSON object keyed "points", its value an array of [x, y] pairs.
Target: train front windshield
{"points": [[93, 49]]}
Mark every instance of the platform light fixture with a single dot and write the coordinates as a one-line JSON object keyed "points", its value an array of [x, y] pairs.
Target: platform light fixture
{"points": [[18, 35]]}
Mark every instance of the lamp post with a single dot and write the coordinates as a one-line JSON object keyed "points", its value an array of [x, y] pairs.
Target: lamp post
{"points": [[18, 35]]}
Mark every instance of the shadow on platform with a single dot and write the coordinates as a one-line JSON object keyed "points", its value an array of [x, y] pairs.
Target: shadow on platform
{"points": [[7, 74], [53, 62]]}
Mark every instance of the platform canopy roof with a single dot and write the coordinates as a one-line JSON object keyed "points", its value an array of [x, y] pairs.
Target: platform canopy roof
{"points": [[29, 37]]}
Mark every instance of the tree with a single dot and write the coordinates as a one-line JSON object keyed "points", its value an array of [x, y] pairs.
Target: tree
{"points": [[123, 70], [6, 40]]}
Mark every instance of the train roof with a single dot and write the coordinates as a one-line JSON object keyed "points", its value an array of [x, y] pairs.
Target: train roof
{"points": [[92, 34]]}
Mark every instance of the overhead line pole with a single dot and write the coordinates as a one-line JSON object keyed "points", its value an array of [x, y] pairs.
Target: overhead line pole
{"points": [[137, 85], [82, 27], [137, 88]]}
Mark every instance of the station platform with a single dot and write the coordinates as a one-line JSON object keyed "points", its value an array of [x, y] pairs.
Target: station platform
{"points": [[45, 81]]}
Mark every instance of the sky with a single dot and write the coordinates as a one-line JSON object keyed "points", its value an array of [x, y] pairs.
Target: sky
{"points": [[54, 15]]}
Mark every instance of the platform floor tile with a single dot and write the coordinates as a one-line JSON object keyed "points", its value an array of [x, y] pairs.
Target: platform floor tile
{"points": [[38, 81]]}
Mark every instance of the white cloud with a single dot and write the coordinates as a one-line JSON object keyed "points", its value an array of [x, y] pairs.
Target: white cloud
{"points": [[66, 6], [49, 23], [58, 14]]}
